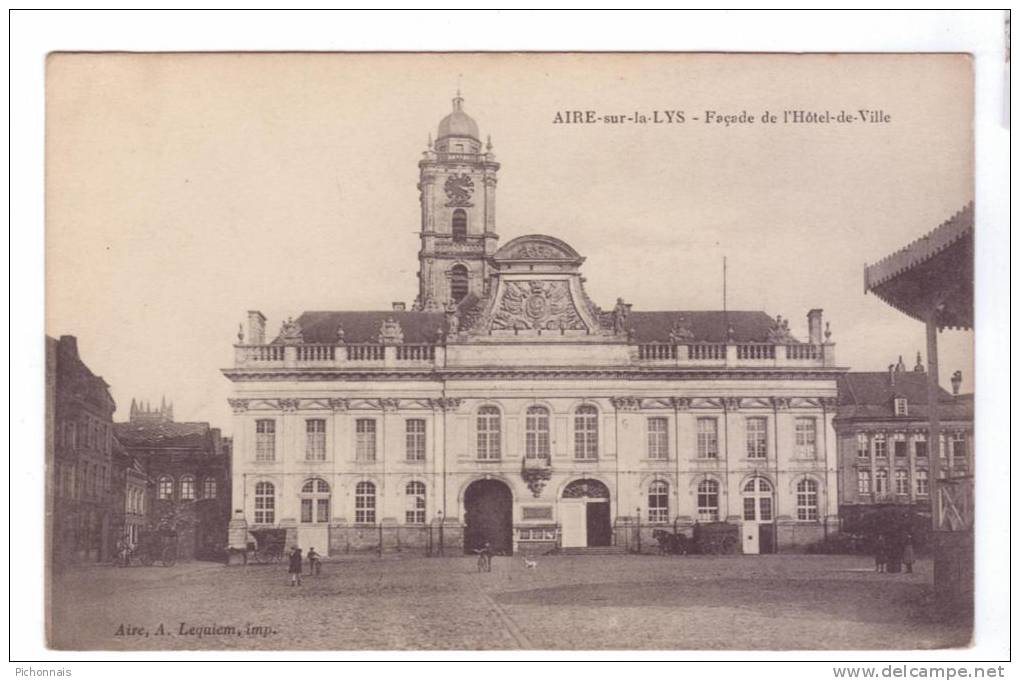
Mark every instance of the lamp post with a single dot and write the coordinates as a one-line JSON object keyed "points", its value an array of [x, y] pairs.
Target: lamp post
{"points": [[439, 515], [639, 529]]}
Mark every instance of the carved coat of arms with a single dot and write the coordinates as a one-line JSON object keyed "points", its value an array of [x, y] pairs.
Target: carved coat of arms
{"points": [[458, 189], [537, 305]]}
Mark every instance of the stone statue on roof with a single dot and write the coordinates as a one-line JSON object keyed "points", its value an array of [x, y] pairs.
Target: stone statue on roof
{"points": [[620, 313], [290, 332], [680, 333]]}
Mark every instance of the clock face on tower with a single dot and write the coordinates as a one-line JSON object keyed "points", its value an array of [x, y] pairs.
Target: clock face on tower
{"points": [[458, 189]]}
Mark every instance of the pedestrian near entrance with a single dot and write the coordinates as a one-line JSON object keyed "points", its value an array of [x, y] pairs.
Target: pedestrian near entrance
{"points": [[314, 562], [881, 554], [908, 554], [295, 566]]}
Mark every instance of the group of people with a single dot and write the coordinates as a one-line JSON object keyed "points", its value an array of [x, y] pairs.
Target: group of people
{"points": [[296, 568], [892, 550]]}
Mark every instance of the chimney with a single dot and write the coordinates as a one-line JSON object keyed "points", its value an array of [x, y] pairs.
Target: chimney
{"points": [[892, 374], [70, 345], [399, 307], [900, 366], [814, 323], [956, 380], [919, 366], [256, 328]]}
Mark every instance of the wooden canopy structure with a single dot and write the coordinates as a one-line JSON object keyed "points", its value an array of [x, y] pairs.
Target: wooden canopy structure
{"points": [[932, 280]]}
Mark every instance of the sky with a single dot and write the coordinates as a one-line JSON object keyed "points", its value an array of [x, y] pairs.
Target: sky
{"points": [[184, 190]]}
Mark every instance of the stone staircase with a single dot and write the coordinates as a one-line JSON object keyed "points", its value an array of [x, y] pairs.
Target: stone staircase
{"points": [[593, 551]]}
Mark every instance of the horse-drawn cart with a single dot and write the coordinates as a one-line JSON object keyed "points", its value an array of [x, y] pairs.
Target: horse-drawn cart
{"points": [[269, 546], [159, 546]]}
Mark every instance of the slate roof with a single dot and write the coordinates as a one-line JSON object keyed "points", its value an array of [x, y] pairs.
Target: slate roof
{"points": [[163, 434], [363, 327], [870, 394], [706, 326], [649, 326]]}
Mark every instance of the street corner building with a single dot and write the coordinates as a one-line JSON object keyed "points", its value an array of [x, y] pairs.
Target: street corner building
{"points": [[882, 430], [84, 513], [506, 407]]}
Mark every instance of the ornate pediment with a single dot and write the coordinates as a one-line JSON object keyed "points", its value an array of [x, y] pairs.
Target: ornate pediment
{"points": [[537, 247], [536, 304]]}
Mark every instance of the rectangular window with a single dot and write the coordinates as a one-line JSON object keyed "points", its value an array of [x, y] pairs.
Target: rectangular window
{"points": [[757, 438], [920, 448], [958, 442], [322, 510], [414, 430], [586, 433], [902, 483], [900, 448], [315, 440], [306, 510], [536, 433], [364, 430], [881, 481], [806, 440], [265, 440], [863, 446], [864, 482], [881, 446], [488, 426], [921, 483], [765, 506], [209, 490], [708, 438], [658, 438], [749, 508]]}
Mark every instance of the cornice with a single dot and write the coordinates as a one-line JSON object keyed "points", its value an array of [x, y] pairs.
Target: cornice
{"points": [[243, 375]]}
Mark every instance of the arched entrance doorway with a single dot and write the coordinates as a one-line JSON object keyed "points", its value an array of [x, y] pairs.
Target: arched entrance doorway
{"points": [[757, 527], [584, 514], [488, 516]]}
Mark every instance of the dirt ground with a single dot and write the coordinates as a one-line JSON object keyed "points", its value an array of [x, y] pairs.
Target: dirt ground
{"points": [[783, 602]]}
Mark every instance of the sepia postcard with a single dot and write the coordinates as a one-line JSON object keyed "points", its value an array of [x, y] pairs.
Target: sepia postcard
{"points": [[509, 351]]}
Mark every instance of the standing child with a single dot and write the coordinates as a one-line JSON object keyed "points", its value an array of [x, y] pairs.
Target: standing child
{"points": [[314, 562], [295, 566]]}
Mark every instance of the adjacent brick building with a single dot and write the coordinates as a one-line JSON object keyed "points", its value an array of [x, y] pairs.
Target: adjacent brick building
{"points": [[882, 435], [187, 466], [81, 501]]}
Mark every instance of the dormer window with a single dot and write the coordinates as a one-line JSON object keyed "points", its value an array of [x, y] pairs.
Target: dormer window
{"points": [[900, 406]]}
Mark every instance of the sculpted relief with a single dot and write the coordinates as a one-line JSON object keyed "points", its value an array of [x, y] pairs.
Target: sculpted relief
{"points": [[537, 305]]}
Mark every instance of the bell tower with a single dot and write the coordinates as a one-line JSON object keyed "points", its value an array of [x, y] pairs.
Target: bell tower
{"points": [[457, 185]]}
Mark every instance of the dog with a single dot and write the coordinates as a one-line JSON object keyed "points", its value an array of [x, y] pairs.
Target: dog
{"points": [[530, 564]]}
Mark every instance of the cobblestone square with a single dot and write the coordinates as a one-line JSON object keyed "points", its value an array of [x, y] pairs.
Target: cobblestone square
{"points": [[566, 602]]}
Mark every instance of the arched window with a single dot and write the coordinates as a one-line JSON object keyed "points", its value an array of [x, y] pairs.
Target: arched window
{"points": [[187, 487], [165, 487], [586, 433], [708, 500], [459, 225], [658, 502], [415, 499], [364, 502], [209, 488], [536, 433], [458, 282], [489, 433], [315, 501], [265, 503], [758, 499], [807, 499]]}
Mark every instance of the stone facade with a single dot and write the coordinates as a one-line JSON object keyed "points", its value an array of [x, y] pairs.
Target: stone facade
{"points": [[516, 411]]}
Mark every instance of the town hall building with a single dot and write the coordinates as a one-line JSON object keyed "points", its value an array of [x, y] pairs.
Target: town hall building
{"points": [[504, 406]]}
